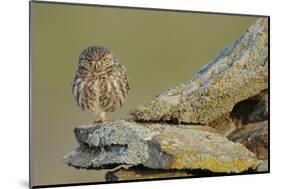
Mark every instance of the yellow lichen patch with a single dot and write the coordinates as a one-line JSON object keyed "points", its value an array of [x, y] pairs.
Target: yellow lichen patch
{"points": [[213, 164], [187, 152], [265, 38], [137, 173]]}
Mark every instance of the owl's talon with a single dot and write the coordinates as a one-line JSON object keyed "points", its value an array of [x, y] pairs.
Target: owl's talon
{"points": [[102, 118], [97, 121]]}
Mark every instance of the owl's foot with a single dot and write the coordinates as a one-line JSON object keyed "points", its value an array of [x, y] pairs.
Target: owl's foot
{"points": [[102, 118]]}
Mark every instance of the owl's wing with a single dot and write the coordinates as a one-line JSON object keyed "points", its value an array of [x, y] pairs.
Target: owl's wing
{"points": [[125, 75]]}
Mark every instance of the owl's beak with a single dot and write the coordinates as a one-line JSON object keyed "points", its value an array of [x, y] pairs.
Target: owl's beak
{"points": [[97, 65]]}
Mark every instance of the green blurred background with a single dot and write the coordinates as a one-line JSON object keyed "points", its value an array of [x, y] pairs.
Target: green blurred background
{"points": [[159, 49]]}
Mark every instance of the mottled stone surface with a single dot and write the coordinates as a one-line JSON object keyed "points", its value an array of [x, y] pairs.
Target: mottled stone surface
{"points": [[262, 166], [137, 173], [254, 136], [239, 72], [251, 110], [158, 146]]}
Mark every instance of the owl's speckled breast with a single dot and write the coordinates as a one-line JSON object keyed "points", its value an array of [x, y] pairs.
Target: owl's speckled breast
{"points": [[103, 91]]}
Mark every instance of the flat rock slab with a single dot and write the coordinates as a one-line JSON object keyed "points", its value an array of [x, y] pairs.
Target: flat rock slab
{"points": [[143, 174], [238, 72], [158, 146]]}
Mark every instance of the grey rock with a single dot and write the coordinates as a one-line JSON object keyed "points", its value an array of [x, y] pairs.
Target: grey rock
{"points": [[185, 127], [251, 110], [254, 136], [157, 146], [262, 166]]}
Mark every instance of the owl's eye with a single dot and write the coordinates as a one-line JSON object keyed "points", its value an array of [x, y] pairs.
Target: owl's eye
{"points": [[104, 60], [88, 61]]}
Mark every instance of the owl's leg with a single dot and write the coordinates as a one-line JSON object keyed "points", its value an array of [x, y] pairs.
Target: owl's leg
{"points": [[102, 117]]}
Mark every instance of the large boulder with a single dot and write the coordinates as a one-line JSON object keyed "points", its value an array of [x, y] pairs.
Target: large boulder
{"points": [[239, 72]]}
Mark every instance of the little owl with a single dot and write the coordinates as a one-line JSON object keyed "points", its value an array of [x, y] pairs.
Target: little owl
{"points": [[101, 83]]}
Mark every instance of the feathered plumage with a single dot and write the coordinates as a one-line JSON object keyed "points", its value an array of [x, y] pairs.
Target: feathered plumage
{"points": [[101, 83]]}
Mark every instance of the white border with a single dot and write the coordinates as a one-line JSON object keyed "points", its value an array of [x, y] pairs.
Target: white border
{"points": [[194, 5], [14, 72]]}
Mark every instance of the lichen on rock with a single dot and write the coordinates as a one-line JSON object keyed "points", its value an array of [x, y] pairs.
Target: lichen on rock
{"points": [[142, 173], [157, 146], [215, 123], [238, 72], [254, 136]]}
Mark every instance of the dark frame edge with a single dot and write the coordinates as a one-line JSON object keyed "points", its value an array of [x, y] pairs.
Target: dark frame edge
{"points": [[268, 94]]}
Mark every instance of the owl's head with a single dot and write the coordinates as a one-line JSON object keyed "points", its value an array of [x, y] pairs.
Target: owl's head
{"points": [[96, 58]]}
